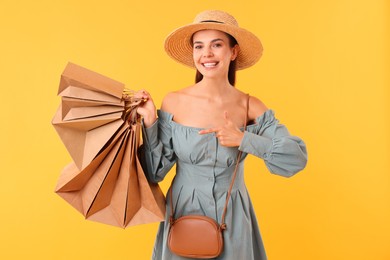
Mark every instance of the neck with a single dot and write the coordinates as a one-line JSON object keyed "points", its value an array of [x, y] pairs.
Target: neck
{"points": [[215, 87]]}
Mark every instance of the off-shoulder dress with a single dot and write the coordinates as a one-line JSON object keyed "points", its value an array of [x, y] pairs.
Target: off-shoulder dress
{"points": [[204, 170]]}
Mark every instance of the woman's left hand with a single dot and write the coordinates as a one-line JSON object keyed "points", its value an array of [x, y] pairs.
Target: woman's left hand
{"points": [[228, 135]]}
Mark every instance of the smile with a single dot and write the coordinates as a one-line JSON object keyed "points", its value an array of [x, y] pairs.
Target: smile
{"points": [[210, 64]]}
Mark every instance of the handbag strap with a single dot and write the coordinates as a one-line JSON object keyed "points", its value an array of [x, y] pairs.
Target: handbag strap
{"points": [[223, 224]]}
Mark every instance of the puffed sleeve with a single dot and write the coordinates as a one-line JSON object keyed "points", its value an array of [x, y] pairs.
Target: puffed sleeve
{"points": [[156, 154], [282, 153]]}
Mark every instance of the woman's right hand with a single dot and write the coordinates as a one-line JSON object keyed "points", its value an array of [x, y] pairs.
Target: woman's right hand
{"points": [[146, 109]]}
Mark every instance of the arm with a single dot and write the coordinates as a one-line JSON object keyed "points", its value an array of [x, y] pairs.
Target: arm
{"points": [[156, 154], [282, 153]]}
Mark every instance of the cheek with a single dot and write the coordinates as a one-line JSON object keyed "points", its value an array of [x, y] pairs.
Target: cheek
{"points": [[226, 56], [195, 55]]}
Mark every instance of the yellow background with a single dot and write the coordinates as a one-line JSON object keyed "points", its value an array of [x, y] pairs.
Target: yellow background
{"points": [[325, 71]]}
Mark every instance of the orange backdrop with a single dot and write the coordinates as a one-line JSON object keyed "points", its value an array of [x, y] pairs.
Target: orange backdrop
{"points": [[324, 71]]}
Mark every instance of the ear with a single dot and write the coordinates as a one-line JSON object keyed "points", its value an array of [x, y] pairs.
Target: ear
{"points": [[235, 51]]}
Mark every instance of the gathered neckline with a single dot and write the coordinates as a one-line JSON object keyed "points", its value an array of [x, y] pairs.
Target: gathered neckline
{"points": [[170, 118]]}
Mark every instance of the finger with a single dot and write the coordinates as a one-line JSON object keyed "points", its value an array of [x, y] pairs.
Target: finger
{"points": [[140, 94], [227, 118], [146, 94], [225, 115], [208, 131], [143, 94]]}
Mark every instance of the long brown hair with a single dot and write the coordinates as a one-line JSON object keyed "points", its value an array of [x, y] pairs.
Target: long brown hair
{"points": [[232, 66]]}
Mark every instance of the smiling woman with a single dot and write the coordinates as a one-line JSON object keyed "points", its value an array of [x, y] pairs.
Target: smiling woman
{"points": [[216, 44], [325, 72], [207, 130]]}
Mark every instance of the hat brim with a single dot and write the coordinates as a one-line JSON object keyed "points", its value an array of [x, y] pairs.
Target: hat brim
{"points": [[179, 47]]}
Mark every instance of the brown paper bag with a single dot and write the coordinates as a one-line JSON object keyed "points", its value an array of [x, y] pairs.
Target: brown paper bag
{"points": [[105, 182]]}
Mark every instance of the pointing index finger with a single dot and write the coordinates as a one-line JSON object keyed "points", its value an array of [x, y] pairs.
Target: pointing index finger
{"points": [[225, 115], [208, 131]]}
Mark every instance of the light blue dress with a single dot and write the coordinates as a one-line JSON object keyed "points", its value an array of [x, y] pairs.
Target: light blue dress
{"points": [[203, 174]]}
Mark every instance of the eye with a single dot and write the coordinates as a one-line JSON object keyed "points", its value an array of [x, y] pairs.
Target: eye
{"points": [[217, 45], [198, 47]]}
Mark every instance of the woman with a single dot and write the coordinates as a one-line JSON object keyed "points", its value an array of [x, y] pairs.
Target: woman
{"points": [[200, 128]]}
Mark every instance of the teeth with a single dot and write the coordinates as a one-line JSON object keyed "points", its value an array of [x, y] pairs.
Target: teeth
{"points": [[209, 65]]}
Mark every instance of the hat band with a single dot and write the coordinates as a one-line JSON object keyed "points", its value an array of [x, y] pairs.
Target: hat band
{"points": [[210, 21]]}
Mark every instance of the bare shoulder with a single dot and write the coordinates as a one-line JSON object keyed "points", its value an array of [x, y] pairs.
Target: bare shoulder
{"points": [[173, 99], [169, 102], [256, 108]]}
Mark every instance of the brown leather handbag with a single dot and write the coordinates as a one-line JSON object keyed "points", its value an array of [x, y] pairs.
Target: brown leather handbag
{"points": [[196, 236]]}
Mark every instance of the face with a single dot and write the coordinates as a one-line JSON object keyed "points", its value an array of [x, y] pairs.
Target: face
{"points": [[212, 53]]}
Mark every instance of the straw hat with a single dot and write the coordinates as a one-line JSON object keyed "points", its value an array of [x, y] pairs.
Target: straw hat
{"points": [[179, 47]]}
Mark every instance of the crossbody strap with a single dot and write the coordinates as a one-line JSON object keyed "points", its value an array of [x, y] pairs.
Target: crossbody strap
{"points": [[223, 225]]}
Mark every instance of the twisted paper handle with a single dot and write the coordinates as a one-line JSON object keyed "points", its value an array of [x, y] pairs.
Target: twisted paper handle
{"points": [[131, 104]]}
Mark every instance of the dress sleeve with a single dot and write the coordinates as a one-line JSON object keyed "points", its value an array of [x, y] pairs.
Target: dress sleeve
{"points": [[156, 154], [282, 153]]}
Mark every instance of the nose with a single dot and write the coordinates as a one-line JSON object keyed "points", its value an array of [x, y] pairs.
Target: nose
{"points": [[207, 52]]}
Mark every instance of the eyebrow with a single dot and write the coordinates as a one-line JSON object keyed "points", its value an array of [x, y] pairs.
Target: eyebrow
{"points": [[215, 40]]}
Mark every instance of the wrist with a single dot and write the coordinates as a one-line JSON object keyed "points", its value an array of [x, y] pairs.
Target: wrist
{"points": [[149, 121]]}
